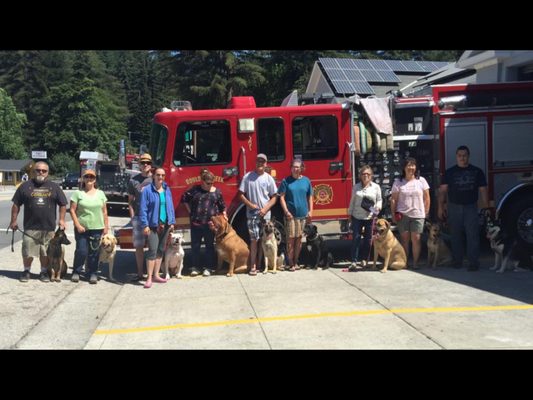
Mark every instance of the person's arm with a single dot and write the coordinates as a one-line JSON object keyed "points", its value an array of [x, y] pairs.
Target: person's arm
{"points": [[310, 206], [379, 199], [427, 202], [131, 199], [288, 215], [247, 202], [106, 218], [442, 211], [62, 213], [15, 209], [483, 197], [74, 216], [393, 204], [268, 205]]}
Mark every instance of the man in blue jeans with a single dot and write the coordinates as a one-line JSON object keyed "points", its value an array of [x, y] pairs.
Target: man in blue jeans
{"points": [[459, 191]]}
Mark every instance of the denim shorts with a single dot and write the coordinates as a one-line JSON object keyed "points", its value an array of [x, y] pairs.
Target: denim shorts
{"points": [[139, 238]]}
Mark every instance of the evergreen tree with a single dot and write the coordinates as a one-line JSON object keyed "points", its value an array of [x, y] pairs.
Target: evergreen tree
{"points": [[11, 123]]}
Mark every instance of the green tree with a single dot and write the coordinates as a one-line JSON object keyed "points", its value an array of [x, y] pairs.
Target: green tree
{"points": [[210, 78], [11, 123]]}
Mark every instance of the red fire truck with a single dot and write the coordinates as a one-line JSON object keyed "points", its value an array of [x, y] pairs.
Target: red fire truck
{"points": [[495, 121]]}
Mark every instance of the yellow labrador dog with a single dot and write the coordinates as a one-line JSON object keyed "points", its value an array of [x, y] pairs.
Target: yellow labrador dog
{"points": [[388, 247], [108, 249]]}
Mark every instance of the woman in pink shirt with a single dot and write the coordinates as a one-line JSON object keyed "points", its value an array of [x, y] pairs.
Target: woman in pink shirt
{"points": [[410, 206]]}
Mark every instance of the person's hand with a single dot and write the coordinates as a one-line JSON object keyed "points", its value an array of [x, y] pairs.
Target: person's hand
{"points": [[80, 228], [146, 231], [14, 226], [106, 230], [288, 215], [171, 228], [62, 225]]}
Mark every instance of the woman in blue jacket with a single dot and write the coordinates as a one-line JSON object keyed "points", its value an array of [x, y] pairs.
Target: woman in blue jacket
{"points": [[156, 212]]}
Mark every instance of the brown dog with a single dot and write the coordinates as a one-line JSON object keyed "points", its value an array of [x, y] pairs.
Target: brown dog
{"points": [[230, 247], [387, 246], [57, 267], [438, 252], [108, 249]]}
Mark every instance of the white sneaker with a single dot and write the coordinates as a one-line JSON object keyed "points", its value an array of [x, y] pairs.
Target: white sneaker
{"points": [[194, 272], [206, 272]]}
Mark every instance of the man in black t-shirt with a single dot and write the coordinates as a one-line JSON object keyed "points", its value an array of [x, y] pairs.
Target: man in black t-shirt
{"points": [[458, 198], [40, 198]]}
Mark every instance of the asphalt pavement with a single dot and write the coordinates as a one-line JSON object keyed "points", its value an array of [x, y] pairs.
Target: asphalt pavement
{"points": [[443, 308]]}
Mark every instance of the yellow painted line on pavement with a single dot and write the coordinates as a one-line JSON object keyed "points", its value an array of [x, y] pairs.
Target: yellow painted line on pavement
{"points": [[311, 316]]}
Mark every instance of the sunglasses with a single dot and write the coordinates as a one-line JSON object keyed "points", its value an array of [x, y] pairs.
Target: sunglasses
{"points": [[163, 175], [146, 163], [89, 176], [42, 171]]}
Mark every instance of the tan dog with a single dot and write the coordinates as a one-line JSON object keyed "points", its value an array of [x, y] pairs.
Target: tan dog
{"points": [[57, 267], [230, 247], [388, 247], [108, 249], [269, 243], [174, 254], [438, 252]]}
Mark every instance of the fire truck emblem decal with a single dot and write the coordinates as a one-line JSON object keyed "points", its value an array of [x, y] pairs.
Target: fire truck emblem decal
{"points": [[323, 194]]}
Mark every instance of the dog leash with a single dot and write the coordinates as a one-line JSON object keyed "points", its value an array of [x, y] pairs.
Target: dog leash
{"points": [[373, 235], [24, 233]]}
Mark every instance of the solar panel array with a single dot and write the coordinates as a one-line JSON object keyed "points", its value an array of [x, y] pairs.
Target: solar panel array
{"points": [[350, 76]]}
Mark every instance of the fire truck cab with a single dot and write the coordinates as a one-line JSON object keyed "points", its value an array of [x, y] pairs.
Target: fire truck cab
{"points": [[227, 141]]}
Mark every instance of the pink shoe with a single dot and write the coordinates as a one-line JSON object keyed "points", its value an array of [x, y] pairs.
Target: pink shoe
{"points": [[148, 285], [159, 280]]}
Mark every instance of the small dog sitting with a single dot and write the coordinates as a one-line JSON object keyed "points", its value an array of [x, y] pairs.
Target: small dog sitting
{"points": [[317, 254], [57, 266], [438, 252], [387, 246], [269, 244], [108, 250], [174, 254]]}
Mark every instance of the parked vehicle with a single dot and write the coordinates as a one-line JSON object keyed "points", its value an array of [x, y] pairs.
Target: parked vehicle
{"points": [[71, 180]]}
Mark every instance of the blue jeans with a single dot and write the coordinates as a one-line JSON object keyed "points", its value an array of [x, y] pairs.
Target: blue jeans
{"points": [[197, 233], [357, 225], [84, 250], [464, 219]]}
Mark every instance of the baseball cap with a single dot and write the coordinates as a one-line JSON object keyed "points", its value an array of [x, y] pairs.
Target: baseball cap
{"points": [[146, 157], [261, 155], [89, 172]]}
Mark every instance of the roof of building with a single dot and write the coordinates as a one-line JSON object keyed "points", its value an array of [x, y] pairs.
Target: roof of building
{"points": [[14, 165], [346, 76]]}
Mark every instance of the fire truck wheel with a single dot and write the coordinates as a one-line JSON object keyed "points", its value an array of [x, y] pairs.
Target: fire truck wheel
{"points": [[519, 219]]}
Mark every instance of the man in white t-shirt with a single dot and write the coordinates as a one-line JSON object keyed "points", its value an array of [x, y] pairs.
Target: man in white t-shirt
{"points": [[258, 191]]}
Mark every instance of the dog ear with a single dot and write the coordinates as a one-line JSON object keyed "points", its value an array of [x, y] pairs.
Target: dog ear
{"points": [[115, 240]]}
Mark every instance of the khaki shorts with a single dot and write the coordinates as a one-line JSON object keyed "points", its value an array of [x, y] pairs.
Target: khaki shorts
{"points": [[294, 227], [36, 248]]}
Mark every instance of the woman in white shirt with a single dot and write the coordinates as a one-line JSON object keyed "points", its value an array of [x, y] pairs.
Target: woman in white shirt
{"points": [[410, 206], [362, 217]]}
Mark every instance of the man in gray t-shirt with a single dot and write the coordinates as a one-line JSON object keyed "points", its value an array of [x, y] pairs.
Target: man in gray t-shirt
{"points": [[258, 192], [135, 187]]}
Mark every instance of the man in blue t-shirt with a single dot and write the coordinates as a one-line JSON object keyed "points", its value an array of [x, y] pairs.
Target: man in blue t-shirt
{"points": [[458, 198]]}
